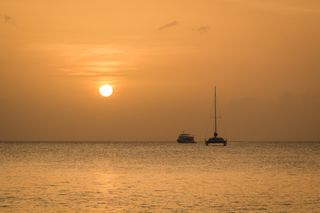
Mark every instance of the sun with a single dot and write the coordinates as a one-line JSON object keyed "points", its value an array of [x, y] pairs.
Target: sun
{"points": [[106, 90]]}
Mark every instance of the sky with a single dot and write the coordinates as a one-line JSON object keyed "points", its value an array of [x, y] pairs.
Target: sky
{"points": [[163, 59]]}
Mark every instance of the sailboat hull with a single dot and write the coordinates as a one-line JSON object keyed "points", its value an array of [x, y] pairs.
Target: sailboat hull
{"points": [[216, 140]]}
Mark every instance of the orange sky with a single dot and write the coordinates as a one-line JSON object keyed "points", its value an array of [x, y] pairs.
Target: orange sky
{"points": [[163, 59]]}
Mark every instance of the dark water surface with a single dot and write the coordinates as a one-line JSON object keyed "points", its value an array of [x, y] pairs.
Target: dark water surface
{"points": [[159, 177]]}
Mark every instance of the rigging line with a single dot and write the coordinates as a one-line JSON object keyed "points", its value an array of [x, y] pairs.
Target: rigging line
{"points": [[210, 118]]}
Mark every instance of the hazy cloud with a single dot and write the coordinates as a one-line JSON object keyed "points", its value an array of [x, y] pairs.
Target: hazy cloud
{"points": [[96, 69], [91, 61], [8, 19], [168, 25], [203, 29]]}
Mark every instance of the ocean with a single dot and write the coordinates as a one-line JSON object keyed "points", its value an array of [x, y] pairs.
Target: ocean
{"points": [[159, 177]]}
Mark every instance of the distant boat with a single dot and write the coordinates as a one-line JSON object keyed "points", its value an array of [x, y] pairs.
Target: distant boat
{"points": [[215, 138], [185, 138]]}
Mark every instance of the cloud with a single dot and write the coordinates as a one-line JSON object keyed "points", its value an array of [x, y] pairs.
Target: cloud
{"points": [[203, 29], [8, 19], [107, 68], [168, 25], [95, 61]]}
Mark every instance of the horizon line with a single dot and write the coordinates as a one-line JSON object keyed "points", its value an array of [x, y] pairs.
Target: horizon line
{"points": [[145, 141]]}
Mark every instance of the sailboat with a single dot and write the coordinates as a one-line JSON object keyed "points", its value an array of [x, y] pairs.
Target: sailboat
{"points": [[215, 139]]}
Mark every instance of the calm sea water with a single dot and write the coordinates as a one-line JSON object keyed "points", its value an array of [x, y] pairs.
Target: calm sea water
{"points": [[159, 177]]}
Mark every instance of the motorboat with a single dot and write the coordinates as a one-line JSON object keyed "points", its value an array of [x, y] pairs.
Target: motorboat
{"points": [[185, 138]]}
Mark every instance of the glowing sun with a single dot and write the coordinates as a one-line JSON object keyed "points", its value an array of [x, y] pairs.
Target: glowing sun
{"points": [[106, 90]]}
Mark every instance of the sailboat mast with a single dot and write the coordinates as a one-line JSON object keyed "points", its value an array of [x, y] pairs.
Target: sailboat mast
{"points": [[215, 112]]}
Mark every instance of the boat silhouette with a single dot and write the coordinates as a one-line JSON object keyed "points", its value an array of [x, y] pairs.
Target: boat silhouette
{"points": [[185, 138], [215, 139]]}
